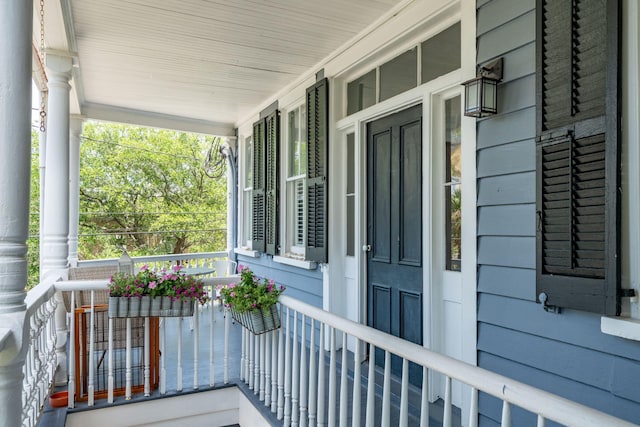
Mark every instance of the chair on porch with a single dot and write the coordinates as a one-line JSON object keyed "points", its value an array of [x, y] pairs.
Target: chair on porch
{"points": [[101, 328], [223, 268]]}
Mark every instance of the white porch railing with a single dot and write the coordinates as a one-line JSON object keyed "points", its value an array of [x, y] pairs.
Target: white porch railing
{"points": [[294, 386], [194, 260], [292, 380]]}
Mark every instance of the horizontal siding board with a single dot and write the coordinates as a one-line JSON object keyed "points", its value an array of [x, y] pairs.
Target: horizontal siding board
{"points": [[507, 220], [578, 392], [507, 37], [507, 281], [508, 158], [517, 94], [519, 63], [625, 378], [511, 189], [497, 12], [594, 368], [571, 326], [505, 128], [507, 251]]}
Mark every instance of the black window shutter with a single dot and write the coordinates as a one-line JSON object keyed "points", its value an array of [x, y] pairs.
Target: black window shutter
{"points": [[317, 170], [258, 191], [578, 156], [272, 140]]}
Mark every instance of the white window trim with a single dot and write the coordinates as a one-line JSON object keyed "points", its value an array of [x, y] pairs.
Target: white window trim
{"points": [[628, 325]]}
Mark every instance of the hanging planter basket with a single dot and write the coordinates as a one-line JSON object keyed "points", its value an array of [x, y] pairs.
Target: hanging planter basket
{"points": [[259, 320], [152, 307]]}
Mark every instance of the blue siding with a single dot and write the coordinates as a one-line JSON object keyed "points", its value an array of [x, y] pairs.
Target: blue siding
{"points": [[565, 353], [305, 285]]}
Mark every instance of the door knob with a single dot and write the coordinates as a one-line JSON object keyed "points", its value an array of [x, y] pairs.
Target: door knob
{"points": [[366, 248]]}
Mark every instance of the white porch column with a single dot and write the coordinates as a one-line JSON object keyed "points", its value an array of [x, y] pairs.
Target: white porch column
{"points": [[55, 229], [75, 130], [231, 193], [16, 19]]}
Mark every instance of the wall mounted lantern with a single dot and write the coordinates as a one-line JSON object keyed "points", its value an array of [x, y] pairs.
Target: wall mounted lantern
{"points": [[481, 93]]}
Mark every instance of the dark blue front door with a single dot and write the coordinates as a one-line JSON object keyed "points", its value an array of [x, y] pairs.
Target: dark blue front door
{"points": [[394, 227]]}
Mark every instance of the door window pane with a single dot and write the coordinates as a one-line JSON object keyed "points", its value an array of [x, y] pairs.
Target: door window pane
{"points": [[361, 92], [351, 196], [399, 74], [441, 53], [452, 187], [297, 142]]}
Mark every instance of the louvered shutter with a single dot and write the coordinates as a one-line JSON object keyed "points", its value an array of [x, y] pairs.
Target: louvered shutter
{"points": [[258, 192], [272, 140], [578, 238], [317, 168]]}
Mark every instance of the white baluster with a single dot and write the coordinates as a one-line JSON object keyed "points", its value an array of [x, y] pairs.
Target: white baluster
{"points": [[196, 346], [147, 368], [386, 390], [295, 375], [267, 369], [304, 375], [424, 403], [322, 420], [179, 386], [446, 418], [404, 394], [274, 371], [90, 386], [280, 412], [251, 360], [128, 376], [256, 365], [211, 361], [247, 358], [541, 421], [262, 371], [332, 378], [110, 379], [371, 381], [506, 414], [313, 377], [357, 383], [163, 366], [287, 375], [473, 409], [227, 330], [243, 339], [343, 384], [71, 387]]}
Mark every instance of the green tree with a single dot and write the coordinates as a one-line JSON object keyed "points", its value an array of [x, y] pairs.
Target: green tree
{"points": [[148, 190]]}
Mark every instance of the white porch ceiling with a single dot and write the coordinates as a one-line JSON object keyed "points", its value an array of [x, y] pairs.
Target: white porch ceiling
{"points": [[197, 61]]}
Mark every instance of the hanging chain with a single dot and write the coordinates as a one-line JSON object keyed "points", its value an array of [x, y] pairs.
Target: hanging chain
{"points": [[43, 92]]}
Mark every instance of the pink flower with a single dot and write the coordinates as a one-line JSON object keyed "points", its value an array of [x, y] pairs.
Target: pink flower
{"points": [[233, 294], [144, 267], [152, 285], [177, 268]]}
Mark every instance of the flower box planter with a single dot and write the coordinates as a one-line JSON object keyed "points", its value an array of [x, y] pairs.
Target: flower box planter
{"points": [[149, 307], [259, 320]]}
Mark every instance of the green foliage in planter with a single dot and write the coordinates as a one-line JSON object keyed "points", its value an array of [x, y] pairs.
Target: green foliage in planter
{"points": [[172, 283], [250, 293]]}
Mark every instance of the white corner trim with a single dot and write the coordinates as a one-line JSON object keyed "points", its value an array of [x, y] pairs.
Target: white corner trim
{"points": [[300, 263], [624, 327], [246, 252]]}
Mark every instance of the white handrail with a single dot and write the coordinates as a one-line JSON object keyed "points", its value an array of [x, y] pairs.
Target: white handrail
{"points": [[548, 405]]}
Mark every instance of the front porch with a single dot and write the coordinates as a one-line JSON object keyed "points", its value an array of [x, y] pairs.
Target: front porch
{"points": [[287, 383]]}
